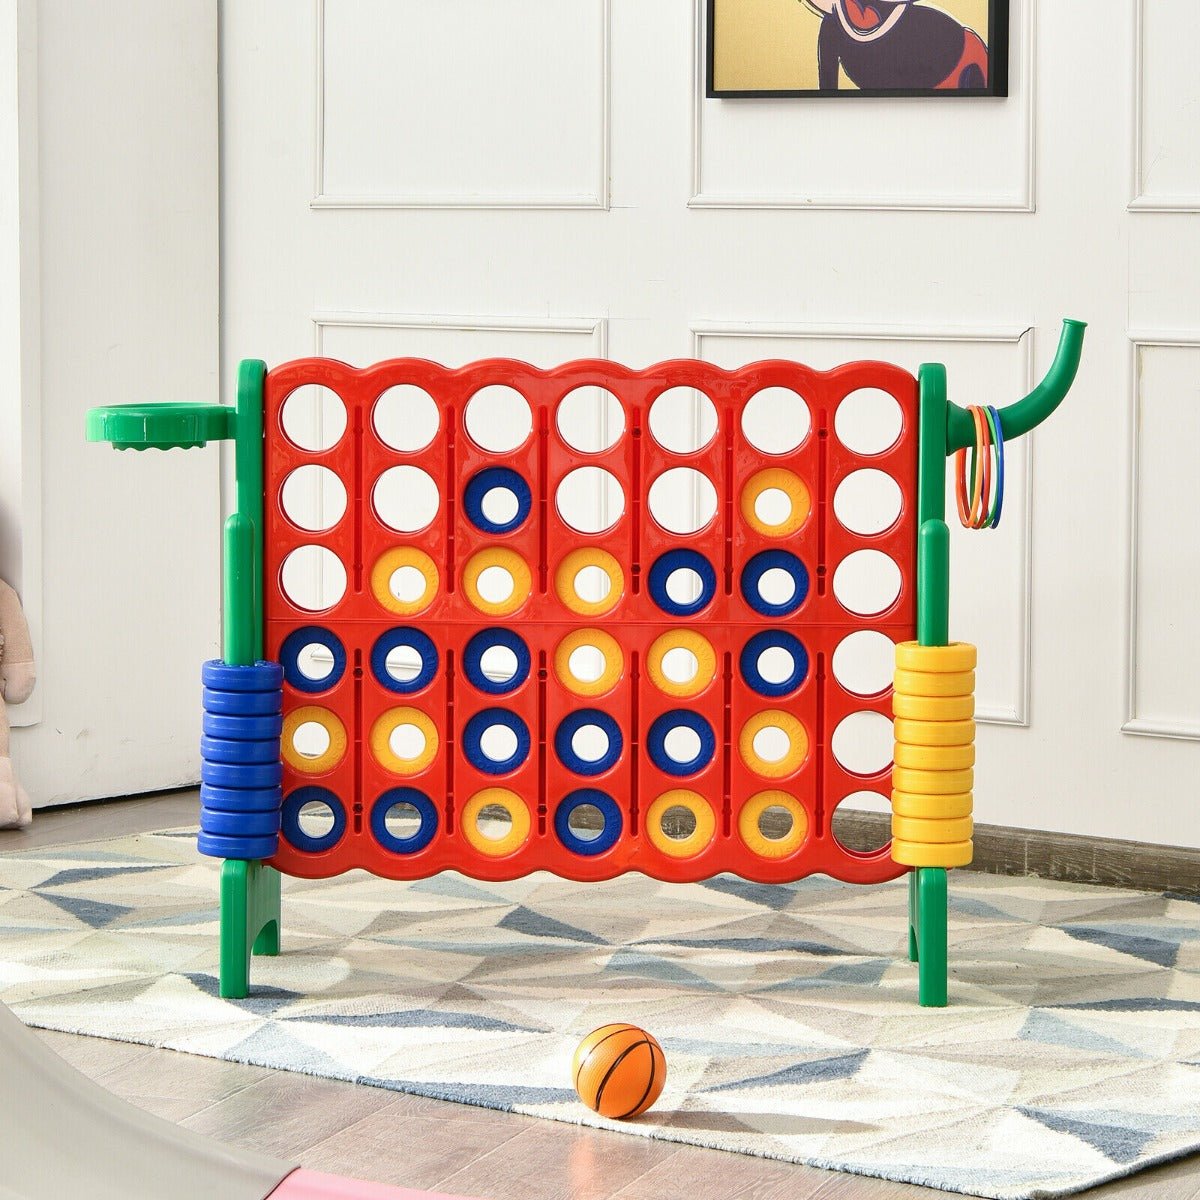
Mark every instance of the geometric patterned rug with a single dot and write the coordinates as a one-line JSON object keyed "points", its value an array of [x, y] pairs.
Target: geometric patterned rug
{"points": [[1070, 1054]]}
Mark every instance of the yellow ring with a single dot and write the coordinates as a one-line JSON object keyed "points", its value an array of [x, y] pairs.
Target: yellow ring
{"points": [[933, 854], [926, 683], [579, 560], [330, 722], [697, 840], [922, 829], [797, 735], [933, 708], [934, 758], [791, 485], [381, 741], [614, 662], [516, 808], [682, 639], [932, 808], [387, 564], [932, 783], [936, 660], [754, 837], [506, 560], [935, 733]]}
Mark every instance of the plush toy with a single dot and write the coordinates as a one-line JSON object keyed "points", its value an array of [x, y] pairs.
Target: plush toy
{"points": [[16, 684]]}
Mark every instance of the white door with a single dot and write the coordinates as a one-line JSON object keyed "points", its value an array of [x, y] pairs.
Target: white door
{"points": [[546, 180]]}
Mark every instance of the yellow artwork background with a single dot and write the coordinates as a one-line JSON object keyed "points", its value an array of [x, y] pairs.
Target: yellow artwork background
{"points": [[771, 45]]}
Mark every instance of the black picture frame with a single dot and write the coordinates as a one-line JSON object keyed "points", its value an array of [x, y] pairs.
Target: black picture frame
{"points": [[997, 46]]}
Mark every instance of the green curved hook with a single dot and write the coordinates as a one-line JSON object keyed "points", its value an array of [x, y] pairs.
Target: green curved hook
{"points": [[1026, 414]]}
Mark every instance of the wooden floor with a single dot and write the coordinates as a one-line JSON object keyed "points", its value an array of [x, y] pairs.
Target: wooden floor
{"points": [[378, 1135]]}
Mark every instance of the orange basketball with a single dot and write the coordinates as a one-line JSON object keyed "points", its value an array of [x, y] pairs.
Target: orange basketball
{"points": [[619, 1071]]}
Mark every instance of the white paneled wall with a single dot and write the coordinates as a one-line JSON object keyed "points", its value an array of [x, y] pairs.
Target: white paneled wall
{"points": [[547, 180]]}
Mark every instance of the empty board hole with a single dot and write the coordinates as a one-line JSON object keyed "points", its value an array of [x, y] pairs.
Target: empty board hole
{"points": [[680, 665], [403, 663], [407, 742], [590, 420], [498, 419], [590, 743], [684, 586], [867, 502], [495, 584], [775, 822], [500, 505], [315, 661], [402, 821], [867, 582], [772, 506], [498, 664], [494, 822], [313, 578], [590, 500], [682, 500], [586, 822], [682, 745], [407, 585], [772, 744], [863, 743], [406, 418], [776, 420], [776, 586], [313, 498], [498, 742], [861, 822], [683, 420], [592, 585], [311, 739], [313, 418], [587, 663], [863, 663], [776, 664], [868, 421], [678, 823], [315, 819], [406, 499]]}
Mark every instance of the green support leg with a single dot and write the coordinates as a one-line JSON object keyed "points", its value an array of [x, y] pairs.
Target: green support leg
{"points": [[913, 915], [250, 914], [927, 886]]}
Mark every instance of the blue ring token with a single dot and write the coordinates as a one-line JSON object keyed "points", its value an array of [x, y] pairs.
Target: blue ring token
{"points": [[425, 810], [472, 740], [682, 560], [774, 560], [768, 640], [608, 836], [479, 645], [564, 737], [223, 750], [243, 729], [289, 656], [492, 479], [241, 775], [226, 799], [243, 704], [290, 821], [413, 639], [257, 677], [680, 718], [249, 849], [239, 824]]}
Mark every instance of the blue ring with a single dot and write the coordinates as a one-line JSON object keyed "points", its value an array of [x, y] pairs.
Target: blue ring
{"points": [[241, 775], [291, 819], [425, 831], [414, 639], [999, 467], [473, 660], [243, 729], [758, 566], [225, 750], [257, 677], [249, 849], [472, 740], [767, 640], [571, 724], [289, 656], [656, 742], [225, 799], [676, 560], [242, 704], [239, 824], [609, 835], [488, 480]]}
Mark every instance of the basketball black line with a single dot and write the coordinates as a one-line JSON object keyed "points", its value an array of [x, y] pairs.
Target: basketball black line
{"points": [[649, 1082], [588, 1055], [616, 1063]]}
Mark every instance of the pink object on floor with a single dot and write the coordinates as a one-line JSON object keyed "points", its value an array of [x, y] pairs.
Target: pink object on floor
{"points": [[311, 1185]]}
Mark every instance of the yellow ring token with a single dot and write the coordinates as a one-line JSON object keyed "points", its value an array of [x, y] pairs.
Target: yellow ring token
{"points": [[932, 808], [506, 560], [313, 714], [926, 683], [386, 566], [776, 479], [596, 639], [933, 708], [797, 751], [932, 783], [569, 570], [936, 660], [518, 812], [933, 854], [934, 758], [752, 834], [381, 741], [935, 733], [920, 829], [697, 840], [700, 649]]}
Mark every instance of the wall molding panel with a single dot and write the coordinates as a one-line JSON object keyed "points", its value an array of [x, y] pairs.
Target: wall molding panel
{"points": [[594, 327]]}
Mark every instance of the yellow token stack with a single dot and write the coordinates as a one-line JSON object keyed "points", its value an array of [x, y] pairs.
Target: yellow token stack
{"points": [[934, 706]]}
